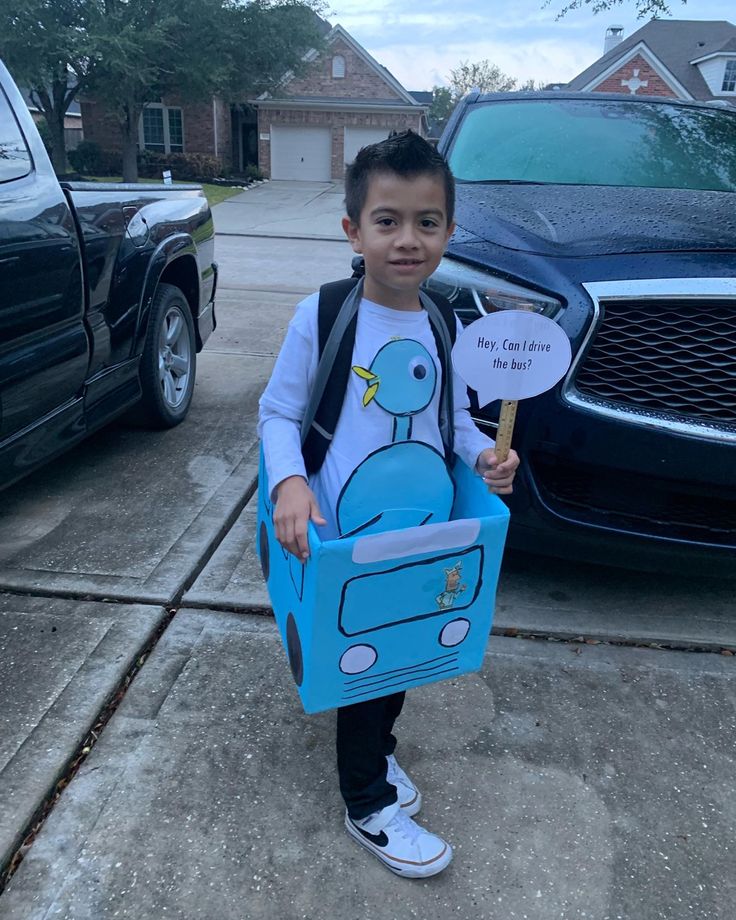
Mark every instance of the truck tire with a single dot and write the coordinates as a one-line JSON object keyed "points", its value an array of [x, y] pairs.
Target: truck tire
{"points": [[168, 362]]}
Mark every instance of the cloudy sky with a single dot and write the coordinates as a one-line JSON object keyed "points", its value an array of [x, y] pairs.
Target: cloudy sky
{"points": [[420, 41]]}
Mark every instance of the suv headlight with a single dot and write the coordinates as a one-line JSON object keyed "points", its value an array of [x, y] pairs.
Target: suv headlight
{"points": [[475, 293]]}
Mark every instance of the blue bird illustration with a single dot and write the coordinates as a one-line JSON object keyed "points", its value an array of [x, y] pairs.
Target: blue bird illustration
{"points": [[405, 483], [402, 380]]}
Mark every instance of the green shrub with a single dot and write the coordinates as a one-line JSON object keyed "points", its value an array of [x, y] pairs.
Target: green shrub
{"points": [[90, 160], [185, 167], [253, 172]]}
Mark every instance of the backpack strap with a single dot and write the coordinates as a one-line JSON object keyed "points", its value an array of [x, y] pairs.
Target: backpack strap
{"points": [[337, 319], [444, 327]]}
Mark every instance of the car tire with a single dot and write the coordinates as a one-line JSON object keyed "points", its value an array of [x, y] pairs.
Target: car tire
{"points": [[169, 361]]}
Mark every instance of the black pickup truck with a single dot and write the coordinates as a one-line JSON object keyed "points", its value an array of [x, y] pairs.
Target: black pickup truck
{"points": [[107, 296]]}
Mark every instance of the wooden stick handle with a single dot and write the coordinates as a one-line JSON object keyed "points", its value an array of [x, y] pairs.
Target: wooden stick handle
{"points": [[506, 420]]}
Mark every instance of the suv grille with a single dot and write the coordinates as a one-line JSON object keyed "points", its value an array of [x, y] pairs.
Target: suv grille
{"points": [[641, 504], [673, 357]]}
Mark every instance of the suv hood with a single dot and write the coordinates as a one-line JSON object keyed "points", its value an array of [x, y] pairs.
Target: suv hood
{"points": [[576, 220]]}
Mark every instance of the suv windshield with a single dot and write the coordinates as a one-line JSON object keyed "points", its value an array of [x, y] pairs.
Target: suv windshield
{"points": [[596, 142]]}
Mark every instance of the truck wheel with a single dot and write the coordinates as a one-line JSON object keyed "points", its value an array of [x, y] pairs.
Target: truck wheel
{"points": [[169, 360]]}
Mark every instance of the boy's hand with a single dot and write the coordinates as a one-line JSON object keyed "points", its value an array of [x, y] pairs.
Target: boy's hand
{"points": [[499, 477], [295, 507]]}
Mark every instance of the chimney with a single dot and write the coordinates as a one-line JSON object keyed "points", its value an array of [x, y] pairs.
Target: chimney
{"points": [[614, 36]]}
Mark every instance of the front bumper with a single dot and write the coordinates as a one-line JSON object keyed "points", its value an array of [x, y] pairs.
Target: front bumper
{"points": [[604, 490]]}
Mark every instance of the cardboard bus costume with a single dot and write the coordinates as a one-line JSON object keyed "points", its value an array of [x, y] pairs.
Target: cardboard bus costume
{"points": [[380, 612], [405, 594]]}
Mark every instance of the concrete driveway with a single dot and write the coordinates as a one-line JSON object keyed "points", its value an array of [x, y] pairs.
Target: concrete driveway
{"points": [[285, 210], [154, 760]]}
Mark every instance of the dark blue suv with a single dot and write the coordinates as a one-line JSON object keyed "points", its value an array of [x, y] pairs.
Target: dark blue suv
{"points": [[616, 215]]}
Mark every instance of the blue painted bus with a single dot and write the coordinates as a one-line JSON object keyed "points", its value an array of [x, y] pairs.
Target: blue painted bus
{"points": [[372, 614]]}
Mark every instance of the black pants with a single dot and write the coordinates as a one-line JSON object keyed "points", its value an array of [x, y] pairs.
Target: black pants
{"points": [[364, 740]]}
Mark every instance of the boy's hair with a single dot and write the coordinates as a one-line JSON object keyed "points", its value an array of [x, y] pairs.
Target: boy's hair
{"points": [[407, 155]]}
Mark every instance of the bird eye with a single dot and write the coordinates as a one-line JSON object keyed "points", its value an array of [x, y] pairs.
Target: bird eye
{"points": [[418, 369]]}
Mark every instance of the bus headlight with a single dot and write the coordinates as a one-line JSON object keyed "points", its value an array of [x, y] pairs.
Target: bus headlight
{"points": [[454, 632], [357, 659]]}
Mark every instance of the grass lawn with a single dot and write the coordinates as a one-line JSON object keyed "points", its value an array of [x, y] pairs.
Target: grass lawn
{"points": [[215, 193]]}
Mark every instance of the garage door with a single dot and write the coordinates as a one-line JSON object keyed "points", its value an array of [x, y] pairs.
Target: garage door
{"points": [[355, 138], [301, 153]]}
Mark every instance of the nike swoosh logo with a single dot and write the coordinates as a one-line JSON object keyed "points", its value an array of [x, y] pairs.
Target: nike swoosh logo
{"points": [[380, 840]]}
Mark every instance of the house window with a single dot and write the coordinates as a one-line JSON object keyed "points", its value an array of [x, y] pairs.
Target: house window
{"points": [[153, 129], [162, 129], [729, 78], [176, 131], [338, 67]]}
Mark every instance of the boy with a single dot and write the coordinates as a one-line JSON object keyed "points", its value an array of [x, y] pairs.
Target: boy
{"points": [[399, 197]]}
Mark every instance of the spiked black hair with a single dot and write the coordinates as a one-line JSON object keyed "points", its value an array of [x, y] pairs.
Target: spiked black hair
{"points": [[407, 155]]}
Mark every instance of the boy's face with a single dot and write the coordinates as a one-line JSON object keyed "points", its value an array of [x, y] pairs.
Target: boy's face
{"points": [[402, 234]]}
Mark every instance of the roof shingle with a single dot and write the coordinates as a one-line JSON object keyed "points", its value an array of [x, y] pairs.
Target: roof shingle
{"points": [[676, 43]]}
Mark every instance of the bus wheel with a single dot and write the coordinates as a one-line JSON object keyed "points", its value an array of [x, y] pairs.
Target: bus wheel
{"points": [[294, 650], [263, 551]]}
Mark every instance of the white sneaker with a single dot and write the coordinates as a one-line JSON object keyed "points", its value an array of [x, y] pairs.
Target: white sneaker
{"points": [[400, 843], [410, 798]]}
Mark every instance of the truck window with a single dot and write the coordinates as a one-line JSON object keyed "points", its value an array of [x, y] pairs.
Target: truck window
{"points": [[15, 159]]}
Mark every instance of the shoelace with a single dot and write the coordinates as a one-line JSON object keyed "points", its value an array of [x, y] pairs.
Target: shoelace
{"points": [[404, 825]]}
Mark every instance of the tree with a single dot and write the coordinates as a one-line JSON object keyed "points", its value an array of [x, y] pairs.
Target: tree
{"points": [[654, 9], [441, 107], [194, 49], [130, 52], [482, 75], [530, 85], [44, 44]]}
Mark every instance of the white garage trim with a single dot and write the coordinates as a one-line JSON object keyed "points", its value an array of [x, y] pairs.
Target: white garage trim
{"points": [[301, 153], [355, 138]]}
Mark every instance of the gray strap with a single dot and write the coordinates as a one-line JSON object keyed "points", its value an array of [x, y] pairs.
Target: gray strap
{"points": [[447, 411], [347, 311]]}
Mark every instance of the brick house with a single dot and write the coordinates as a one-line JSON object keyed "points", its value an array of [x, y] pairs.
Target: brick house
{"points": [[683, 59], [313, 125], [307, 129], [167, 126]]}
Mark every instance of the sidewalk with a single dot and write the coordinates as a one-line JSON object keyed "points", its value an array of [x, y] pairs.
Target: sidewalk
{"points": [[576, 781]]}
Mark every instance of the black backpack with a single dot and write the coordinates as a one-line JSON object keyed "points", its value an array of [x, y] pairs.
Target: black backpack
{"points": [[337, 321]]}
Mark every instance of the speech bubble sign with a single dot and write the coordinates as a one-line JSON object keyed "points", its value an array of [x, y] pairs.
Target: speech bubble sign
{"points": [[513, 354]]}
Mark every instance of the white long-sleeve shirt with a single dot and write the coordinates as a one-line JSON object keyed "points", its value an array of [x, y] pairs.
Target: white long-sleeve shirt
{"points": [[362, 428]]}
